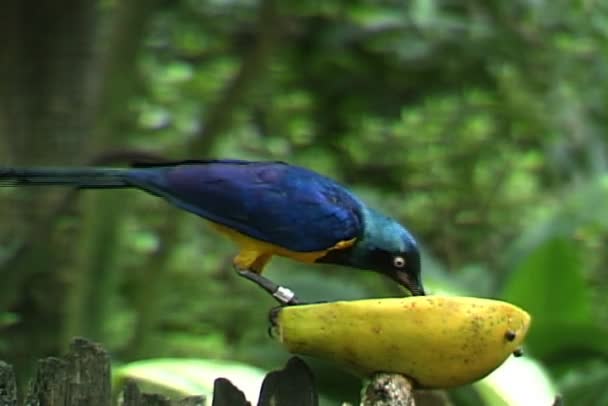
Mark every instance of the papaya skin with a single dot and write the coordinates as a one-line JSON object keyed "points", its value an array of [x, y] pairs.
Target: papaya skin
{"points": [[437, 341]]}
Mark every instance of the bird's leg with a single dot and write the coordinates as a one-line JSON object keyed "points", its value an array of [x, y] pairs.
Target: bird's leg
{"points": [[282, 294]]}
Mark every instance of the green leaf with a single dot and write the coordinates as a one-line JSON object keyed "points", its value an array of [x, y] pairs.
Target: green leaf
{"points": [[563, 340], [587, 385], [191, 376], [532, 382], [549, 284], [8, 319]]}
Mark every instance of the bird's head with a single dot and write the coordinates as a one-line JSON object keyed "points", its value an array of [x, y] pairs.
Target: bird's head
{"points": [[403, 266], [385, 247]]}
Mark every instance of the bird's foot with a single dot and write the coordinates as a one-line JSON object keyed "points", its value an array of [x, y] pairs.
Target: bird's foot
{"points": [[283, 295]]}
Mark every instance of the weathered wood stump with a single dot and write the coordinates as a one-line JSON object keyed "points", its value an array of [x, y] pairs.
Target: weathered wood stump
{"points": [[8, 387], [82, 377], [388, 390]]}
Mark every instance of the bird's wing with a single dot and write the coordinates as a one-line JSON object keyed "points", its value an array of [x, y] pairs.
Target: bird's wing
{"points": [[284, 205]]}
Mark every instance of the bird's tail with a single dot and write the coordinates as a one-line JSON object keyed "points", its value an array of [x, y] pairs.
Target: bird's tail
{"points": [[78, 177]]}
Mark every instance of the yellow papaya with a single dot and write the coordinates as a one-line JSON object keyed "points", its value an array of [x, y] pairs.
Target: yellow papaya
{"points": [[437, 341]]}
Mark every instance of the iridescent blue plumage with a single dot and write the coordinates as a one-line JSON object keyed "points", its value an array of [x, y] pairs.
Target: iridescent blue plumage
{"points": [[271, 201], [268, 208]]}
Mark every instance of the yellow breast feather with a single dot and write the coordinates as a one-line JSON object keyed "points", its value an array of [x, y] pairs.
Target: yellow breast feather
{"points": [[255, 254]]}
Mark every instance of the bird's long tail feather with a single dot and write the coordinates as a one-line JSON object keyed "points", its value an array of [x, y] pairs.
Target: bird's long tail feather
{"points": [[78, 177]]}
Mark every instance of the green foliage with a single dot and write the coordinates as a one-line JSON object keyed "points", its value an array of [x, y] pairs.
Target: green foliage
{"points": [[7, 319]]}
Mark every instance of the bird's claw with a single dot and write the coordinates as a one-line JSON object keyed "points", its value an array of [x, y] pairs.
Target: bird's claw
{"points": [[283, 295]]}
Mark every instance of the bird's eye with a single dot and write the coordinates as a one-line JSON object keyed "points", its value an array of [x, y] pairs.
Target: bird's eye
{"points": [[399, 261]]}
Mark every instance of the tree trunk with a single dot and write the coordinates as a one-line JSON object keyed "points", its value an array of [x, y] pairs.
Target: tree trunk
{"points": [[47, 66]]}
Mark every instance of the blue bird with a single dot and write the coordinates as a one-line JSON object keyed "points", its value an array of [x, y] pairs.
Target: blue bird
{"points": [[267, 209]]}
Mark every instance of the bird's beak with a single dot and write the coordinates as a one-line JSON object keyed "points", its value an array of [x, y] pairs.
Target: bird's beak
{"points": [[410, 283]]}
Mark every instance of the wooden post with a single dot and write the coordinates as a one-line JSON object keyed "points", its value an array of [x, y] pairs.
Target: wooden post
{"points": [[8, 388], [388, 390], [82, 377]]}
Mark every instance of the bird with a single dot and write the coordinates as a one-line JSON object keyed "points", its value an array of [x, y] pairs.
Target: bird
{"points": [[267, 208]]}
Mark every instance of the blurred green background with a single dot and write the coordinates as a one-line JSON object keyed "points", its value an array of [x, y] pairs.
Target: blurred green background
{"points": [[481, 125]]}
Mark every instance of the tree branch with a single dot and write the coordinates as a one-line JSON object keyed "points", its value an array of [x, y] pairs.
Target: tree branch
{"points": [[219, 115], [386, 389]]}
